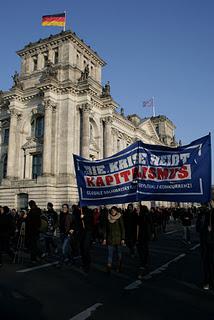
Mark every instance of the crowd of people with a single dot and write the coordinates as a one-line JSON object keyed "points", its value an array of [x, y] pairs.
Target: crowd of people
{"points": [[71, 232]]}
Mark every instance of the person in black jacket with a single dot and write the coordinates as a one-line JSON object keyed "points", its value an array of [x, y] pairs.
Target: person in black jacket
{"points": [[52, 223], [33, 223], [86, 237], [130, 223], [6, 229], [67, 228], [205, 227], [144, 235], [186, 217]]}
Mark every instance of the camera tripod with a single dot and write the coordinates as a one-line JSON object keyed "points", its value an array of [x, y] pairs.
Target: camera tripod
{"points": [[19, 254]]}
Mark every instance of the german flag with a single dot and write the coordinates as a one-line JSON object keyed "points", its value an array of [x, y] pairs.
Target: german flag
{"points": [[54, 20]]}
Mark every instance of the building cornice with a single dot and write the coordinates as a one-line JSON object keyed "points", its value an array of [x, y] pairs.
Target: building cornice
{"points": [[54, 40]]}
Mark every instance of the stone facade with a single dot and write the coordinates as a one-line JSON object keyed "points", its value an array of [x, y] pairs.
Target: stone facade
{"points": [[57, 107]]}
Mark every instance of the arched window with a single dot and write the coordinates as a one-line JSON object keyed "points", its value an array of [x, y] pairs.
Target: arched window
{"points": [[39, 127], [5, 166]]}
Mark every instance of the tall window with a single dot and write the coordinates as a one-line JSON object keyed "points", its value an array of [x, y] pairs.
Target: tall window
{"points": [[35, 63], [45, 59], [37, 166], [56, 56], [39, 127], [6, 136], [5, 166]]}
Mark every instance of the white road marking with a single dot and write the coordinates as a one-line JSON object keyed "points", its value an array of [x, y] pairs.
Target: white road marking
{"points": [[87, 313], [137, 283], [37, 267], [174, 231], [195, 247], [159, 270]]}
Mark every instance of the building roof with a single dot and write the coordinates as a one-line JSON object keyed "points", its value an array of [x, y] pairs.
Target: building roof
{"points": [[64, 35], [162, 118]]}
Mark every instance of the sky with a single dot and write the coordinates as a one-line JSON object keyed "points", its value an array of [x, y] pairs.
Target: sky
{"points": [[160, 48]]}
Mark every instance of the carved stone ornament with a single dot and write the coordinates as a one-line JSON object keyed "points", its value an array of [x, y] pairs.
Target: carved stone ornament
{"points": [[106, 90], [50, 71], [49, 104], [16, 81], [14, 113], [86, 107], [84, 74], [108, 120], [32, 145]]}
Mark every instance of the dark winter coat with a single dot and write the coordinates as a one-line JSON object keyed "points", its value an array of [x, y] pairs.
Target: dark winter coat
{"points": [[130, 223], [33, 221], [6, 225], [145, 227], [204, 220], [186, 218], [115, 232], [66, 222]]}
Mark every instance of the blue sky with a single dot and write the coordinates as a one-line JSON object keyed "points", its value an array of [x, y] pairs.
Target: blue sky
{"points": [[160, 48]]}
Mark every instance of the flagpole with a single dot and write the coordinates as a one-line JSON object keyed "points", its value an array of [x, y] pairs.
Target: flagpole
{"points": [[65, 22], [153, 106]]}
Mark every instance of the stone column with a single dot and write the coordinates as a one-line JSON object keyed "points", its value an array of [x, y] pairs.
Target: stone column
{"points": [[86, 109], [1, 134], [27, 63], [107, 136], [28, 167], [40, 61], [11, 159], [47, 144]]}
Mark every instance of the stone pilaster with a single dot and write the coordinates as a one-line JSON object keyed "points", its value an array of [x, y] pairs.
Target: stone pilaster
{"points": [[11, 162], [47, 144], [86, 109], [40, 61], [107, 136]]}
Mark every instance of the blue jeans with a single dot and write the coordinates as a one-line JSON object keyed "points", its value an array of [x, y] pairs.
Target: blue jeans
{"points": [[111, 250], [66, 247]]}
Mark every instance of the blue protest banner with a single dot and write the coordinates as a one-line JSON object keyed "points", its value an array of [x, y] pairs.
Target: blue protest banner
{"points": [[144, 172]]}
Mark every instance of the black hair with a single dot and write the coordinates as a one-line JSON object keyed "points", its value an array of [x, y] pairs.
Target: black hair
{"points": [[32, 203], [114, 208], [49, 204]]}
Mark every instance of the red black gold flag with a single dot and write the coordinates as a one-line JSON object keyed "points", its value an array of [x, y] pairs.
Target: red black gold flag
{"points": [[54, 20]]}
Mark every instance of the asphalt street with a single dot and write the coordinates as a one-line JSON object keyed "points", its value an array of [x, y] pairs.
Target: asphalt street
{"points": [[172, 289]]}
